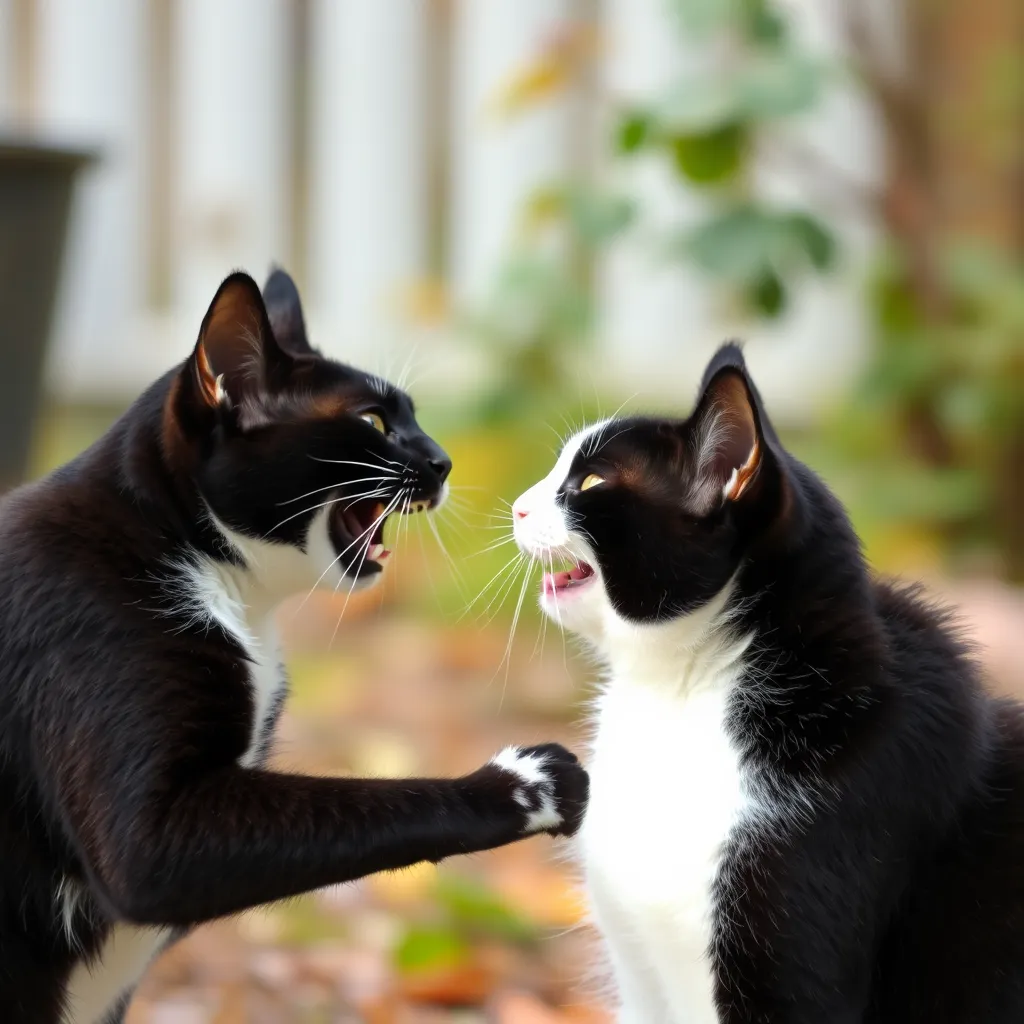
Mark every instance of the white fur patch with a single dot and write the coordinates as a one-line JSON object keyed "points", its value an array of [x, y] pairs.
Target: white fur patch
{"points": [[219, 590], [667, 792], [537, 793]]}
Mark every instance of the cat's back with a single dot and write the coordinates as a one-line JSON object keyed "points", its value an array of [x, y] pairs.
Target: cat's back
{"points": [[955, 946]]}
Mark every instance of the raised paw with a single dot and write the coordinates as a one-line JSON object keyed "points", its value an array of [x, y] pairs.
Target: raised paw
{"points": [[549, 784]]}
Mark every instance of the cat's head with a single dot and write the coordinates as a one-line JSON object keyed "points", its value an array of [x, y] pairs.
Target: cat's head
{"points": [[298, 459], [646, 520]]}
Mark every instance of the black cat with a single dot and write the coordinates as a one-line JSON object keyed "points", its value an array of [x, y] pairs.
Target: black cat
{"points": [[139, 673], [804, 808]]}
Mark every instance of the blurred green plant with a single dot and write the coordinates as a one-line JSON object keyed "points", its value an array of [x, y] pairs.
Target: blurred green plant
{"points": [[708, 123], [932, 438], [539, 315], [465, 912]]}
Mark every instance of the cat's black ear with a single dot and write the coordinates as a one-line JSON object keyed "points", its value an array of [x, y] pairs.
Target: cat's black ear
{"points": [[237, 354], [728, 356], [284, 308], [726, 435]]}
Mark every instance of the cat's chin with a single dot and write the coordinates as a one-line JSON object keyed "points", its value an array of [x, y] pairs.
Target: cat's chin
{"points": [[574, 600]]}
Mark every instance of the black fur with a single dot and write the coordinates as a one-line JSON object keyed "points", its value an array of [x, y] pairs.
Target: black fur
{"points": [[122, 719], [900, 897]]}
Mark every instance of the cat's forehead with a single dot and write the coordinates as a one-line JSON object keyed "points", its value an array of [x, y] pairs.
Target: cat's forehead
{"points": [[351, 385], [321, 388], [627, 444]]}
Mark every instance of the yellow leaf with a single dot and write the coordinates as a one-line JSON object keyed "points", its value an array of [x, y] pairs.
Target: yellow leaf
{"points": [[549, 72], [425, 302], [531, 85]]}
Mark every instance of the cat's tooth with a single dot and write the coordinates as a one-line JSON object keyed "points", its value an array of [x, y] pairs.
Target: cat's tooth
{"points": [[376, 550]]}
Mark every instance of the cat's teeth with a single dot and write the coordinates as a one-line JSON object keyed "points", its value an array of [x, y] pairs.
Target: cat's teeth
{"points": [[375, 552]]}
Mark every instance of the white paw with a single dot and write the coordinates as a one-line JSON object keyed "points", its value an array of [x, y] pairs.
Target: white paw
{"points": [[535, 792]]}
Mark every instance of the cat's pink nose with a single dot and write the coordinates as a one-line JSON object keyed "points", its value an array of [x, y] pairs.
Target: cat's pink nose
{"points": [[520, 513]]}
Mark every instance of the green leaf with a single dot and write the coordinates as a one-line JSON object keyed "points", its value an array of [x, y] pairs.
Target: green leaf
{"points": [[767, 295], [762, 24], [735, 245], [712, 157], [632, 132], [814, 239], [476, 907], [597, 217], [747, 242], [778, 83], [704, 17], [696, 104], [424, 948]]}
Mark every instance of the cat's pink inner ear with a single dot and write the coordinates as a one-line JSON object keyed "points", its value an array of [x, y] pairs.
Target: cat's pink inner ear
{"points": [[729, 451], [742, 475], [236, 350]]}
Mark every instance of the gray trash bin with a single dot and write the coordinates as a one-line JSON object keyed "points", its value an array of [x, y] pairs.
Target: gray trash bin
{"points": [[36, 188]]}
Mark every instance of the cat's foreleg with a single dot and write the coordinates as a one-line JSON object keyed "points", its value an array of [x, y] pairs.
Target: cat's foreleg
{"points": [[171, 848]]}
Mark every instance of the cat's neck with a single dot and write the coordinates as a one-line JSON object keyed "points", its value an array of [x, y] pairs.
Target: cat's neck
{"points": [[701, 649], [263, 574]]}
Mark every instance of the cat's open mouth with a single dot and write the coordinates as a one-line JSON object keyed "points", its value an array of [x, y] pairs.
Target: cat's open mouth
{"points": [[555, 584], [359, 533]]}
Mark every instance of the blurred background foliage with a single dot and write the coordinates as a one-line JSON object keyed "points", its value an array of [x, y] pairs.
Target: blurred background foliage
{"points": [[928, 448]]}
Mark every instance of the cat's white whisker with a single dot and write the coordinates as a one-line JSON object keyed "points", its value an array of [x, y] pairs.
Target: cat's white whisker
{"points": [[483, 590], [352, 462], [365, 547], [380, 492], [504, 589], [493, 546], [512, 632], [341, 554], [336, 487], [306, 511]]}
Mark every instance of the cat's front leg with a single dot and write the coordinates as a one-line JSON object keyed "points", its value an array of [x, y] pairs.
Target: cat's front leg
{"points": [[171, 849]]}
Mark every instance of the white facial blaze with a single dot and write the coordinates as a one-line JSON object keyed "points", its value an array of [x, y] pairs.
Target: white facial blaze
{"points": [[541, 527]]}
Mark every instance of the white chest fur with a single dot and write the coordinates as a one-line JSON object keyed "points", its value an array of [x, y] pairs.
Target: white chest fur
{"points": [[666, 792], [221, 592]]}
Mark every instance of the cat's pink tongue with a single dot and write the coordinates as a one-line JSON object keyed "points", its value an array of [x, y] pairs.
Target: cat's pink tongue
{"points": [[554, 581]]}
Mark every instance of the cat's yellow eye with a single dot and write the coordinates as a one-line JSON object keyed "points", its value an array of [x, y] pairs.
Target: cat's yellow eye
{"points": [[593, 480], [374, 420]]}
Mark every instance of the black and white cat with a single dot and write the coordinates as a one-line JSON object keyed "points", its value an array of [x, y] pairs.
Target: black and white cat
{"points": [[140, 678], [804, 809]]}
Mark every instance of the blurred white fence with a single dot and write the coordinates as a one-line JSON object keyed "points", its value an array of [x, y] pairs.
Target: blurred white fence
{"points": [[346, 139]]}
